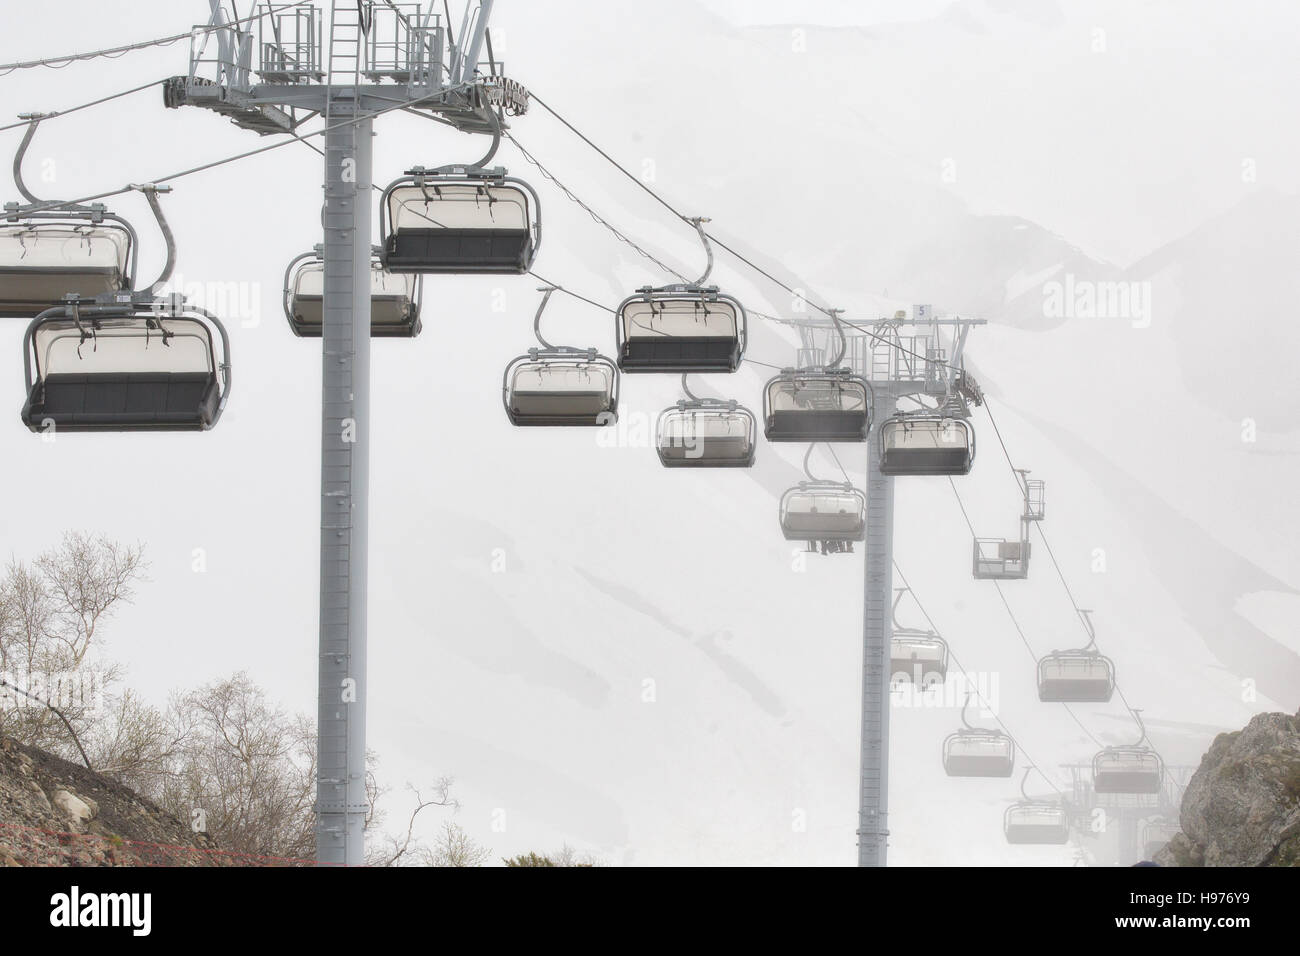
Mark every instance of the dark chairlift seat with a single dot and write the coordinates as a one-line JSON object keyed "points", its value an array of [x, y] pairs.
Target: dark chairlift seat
{"points": [[43, 260], [1076, 677], [824, 511], [706, 434], [394, 299], [460, 220], [926, 445], [1136, 769], [1036, 823], [681, 328], [561, 386], [817, 405], [125, 369]]}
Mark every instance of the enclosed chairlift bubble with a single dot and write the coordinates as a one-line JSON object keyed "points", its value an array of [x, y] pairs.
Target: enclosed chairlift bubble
{"points": [[1036, 822], [1133, 769], [683, 328], [925, 444], [460, 220], [972, 752], [51, 250], [394, 299], [1081, 675], [145, 366], [916, 656], [706, 433], [559, 385]]}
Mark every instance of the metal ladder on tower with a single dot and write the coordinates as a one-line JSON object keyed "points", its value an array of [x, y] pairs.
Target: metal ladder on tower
{"points": [[349, 24]]}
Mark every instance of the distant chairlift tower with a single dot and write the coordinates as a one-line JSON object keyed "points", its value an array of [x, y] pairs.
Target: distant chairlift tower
{"points": [[917, 357], [267, 74]]}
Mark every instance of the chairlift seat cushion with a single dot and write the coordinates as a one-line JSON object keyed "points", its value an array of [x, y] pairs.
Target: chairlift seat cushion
{"points": [[1037, 834], [390, 317], [925, 461], [1075, 690], [1126, 781], [124, 401], [931, 672], [978, 765], [549, 407], [706, 452], [829, 526], [674, 353], [26, 292], [459, 251], [817, 425]]}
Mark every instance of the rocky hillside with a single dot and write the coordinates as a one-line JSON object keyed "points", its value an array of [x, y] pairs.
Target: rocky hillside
{"points": [[1242, 806], [55, 813]]}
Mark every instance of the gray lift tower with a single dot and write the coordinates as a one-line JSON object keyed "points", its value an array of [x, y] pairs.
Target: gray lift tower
{"points": [[269, 73], [917, 357]]}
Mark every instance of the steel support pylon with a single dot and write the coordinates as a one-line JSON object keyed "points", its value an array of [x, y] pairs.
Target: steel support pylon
{"points": [[345, 470], [877, 627]]}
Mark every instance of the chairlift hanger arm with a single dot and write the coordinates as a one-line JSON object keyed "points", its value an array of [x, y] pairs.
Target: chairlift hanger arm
{"points": [[151, 191], [547, 291]]}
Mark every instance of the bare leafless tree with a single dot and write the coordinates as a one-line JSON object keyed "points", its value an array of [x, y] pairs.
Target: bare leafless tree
{"points": [[454, 847], [50, 614]]}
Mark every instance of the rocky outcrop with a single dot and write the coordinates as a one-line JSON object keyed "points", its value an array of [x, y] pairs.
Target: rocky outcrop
{"points": [[53, 812], [1242, 806]]}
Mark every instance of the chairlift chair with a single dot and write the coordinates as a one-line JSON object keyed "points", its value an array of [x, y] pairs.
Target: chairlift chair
{"points": [[680, 328], [1036, 822], [974, 752], [925, 444], [817, 405], [1080, 675], [560, 385], [1132, 769], [916, 656], [1076, 677], [394, 299], [688, 327], [460, 220], [706, 433], [44, 258], [50, 250], [818, 511], [143, 365], [997, 559], [1128, 770]]}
